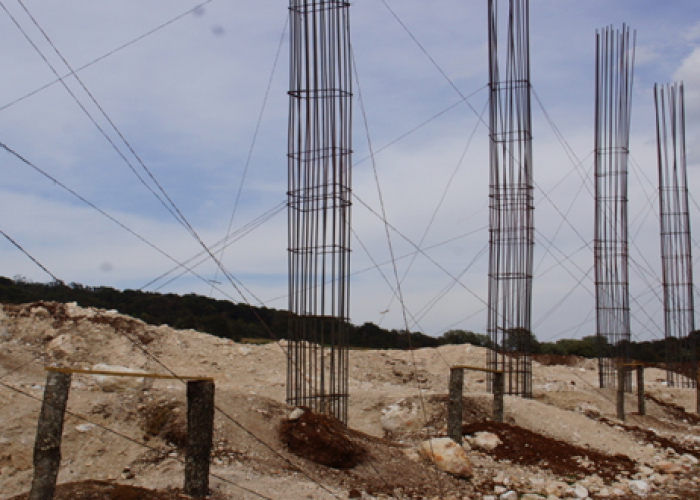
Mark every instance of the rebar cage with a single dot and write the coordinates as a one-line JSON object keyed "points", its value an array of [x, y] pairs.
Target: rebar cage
{"points": [[511, 211], [613, 97], [676, 258], [319, 201]]}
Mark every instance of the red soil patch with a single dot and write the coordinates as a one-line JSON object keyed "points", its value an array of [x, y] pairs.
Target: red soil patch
{"points": [[101, 490], [321, 439], [524, 447]]}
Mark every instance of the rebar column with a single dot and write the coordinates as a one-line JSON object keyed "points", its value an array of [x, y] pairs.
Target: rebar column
{"points": [[319, 199], [613, 98], [511, 229], [676, 259]]}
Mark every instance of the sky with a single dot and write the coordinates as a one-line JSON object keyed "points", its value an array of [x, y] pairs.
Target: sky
{"points": [[196, 92]]}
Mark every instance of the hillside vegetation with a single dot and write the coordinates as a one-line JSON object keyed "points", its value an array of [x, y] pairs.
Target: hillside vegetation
{"points": [[239, 321]]}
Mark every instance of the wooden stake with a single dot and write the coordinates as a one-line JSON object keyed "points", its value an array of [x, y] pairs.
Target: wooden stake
{"points": [[498, 390], [621, 393], [454, 409], [641, 407], [47, 445], [200, 433]]}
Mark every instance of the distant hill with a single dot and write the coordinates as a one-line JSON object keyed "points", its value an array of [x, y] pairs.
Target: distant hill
{"points": [[222, 318], [238, 321]]}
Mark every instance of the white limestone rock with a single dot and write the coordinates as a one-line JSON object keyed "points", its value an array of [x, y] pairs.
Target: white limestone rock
{"points": [[640, 488], [64, 346], [296, 414], [109, 383], [484, 440], [447, 456], [557, 488], [398, 418], [580, 491]]}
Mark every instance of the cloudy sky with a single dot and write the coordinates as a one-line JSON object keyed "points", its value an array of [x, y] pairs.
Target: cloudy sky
{"points": [[198, 92]]}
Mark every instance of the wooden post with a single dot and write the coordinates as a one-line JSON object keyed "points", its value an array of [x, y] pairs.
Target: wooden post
{"points": [[498, 390], [621, 392], [641, 407], [47, 445], [454, 408], [200, 433]]}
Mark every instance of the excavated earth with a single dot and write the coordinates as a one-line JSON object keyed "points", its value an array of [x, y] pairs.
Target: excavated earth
{"points": [[127, 440]]}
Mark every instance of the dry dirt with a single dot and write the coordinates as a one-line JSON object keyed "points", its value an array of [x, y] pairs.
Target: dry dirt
{"points": [[128, 444]]}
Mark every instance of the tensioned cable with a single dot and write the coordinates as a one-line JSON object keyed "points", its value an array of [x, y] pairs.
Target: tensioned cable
{"points": [[87, 113], [445, 190], [104, 56], [633, 298], [404, 256], [389, 144], [419, 126], [562, 299], [132, 232], [433, 61], [391, 251], [432, 303], [697, 207], [180, 216], [602, 394], [150, 355], [32, 258], [173, 209], [95, 207], [564, 218], [556, 265], [568, 149], [123, 436], [251, 149], [410, 242], [577, 164], [565, 214], [146, 352], [426, 308], [232, 238], [566, 145], [155, 359]]}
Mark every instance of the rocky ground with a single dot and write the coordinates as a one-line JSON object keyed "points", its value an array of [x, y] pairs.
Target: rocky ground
{"points": [[125, 439]]}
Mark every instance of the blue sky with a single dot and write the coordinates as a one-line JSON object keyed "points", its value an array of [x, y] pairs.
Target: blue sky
{"points": [[188, 99]]}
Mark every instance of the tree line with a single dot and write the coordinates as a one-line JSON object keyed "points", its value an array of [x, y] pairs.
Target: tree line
{"points": [[238, 321]]}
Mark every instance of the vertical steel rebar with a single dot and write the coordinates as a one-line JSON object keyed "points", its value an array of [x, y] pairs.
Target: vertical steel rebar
{"points": [[676, 258], [613, 98], [511, 227], [319, 157]]}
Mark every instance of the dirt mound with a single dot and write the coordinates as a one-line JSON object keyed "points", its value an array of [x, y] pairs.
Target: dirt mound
{"points": [[651, 437], [168, 420], [101, 490], [556, 359], [676, 411], [524, 447], [321, 439], [329, 459]]}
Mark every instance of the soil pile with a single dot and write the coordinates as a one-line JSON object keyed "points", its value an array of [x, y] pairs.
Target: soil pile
{"points": [[129, 440], [524, 447], [321, 439]]}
